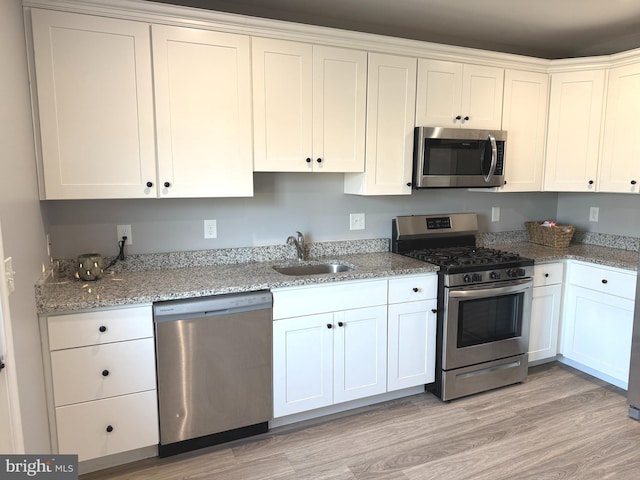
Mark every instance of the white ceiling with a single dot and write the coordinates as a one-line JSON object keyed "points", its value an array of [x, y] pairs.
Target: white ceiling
{"points": [[541, 28]]}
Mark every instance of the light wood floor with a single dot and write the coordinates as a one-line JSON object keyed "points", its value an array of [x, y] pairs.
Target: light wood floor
{"points": [[559, 424]]}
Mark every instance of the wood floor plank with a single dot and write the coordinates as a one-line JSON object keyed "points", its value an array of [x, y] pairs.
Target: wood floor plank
{"points": [[558, 424]]}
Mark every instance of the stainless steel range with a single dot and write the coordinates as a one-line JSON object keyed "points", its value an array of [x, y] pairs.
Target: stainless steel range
{"points": [[484, 303]]}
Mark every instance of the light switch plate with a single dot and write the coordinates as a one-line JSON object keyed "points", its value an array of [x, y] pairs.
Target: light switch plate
{"points": [[356, 221], [495, 214], [594, 214]]}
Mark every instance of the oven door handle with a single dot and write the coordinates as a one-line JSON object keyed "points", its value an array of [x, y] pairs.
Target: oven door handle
{"points": [[499, 288]]}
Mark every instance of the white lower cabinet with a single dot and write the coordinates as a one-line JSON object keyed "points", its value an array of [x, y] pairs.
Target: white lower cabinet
{"points": [[411, 337], [340, 342], [102, 381], [598, 321], [545, 312]]}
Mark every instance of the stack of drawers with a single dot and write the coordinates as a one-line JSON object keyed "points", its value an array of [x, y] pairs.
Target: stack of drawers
{"points": [[104, 381]]}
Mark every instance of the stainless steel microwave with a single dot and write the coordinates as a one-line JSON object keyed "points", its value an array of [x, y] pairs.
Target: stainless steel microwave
{"points": [[458, 158]]}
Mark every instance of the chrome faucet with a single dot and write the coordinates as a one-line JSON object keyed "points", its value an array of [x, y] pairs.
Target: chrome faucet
{"points": [[299, 243]]}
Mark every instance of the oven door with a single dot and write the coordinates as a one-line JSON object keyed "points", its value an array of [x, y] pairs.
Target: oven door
{"points": [[485, 322]]}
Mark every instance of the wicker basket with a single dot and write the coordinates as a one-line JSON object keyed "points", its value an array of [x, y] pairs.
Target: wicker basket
{"points": [[559, 236]]}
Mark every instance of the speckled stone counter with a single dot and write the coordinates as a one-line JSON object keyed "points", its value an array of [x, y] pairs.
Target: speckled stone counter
{"points": [[142, 287], [612, 257]]}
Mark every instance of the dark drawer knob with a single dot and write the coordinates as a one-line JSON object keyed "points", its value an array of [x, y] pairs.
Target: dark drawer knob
{"points": [[341, 324], [329, 325], [604, 280], [591, 182], [459, 117], [633, 182], [167, 184], [546, 275], [105, 373], [415, 289], [409, 184], [102, 329], [308, 160], [319, 160], [466, 119], [434, 310], [2, 365], [109, 429], [149, 184]]}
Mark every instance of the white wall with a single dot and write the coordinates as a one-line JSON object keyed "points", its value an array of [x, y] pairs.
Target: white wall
{"points": [[283, 203], [22, 225]]}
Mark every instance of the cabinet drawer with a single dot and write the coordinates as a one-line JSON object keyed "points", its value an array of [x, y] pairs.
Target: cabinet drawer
{"points": [[603, 279], [101, 371], [83, 428], [298, 301], [80, 329], [547, 274], [409, 289]]}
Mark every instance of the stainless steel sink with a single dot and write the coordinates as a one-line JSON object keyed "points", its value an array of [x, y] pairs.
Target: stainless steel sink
{"points": [[313, 268]]}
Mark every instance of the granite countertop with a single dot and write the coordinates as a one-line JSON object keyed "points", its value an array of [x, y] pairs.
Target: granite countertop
{"points": [[611, 257], [144, 279], [144, 287]]}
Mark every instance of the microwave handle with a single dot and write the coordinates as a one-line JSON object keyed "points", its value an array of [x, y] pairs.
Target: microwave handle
{"points": [[494, 158]]}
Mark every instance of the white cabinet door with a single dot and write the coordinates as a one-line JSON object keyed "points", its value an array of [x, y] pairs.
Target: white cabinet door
{"points": [[524, 117], [545, 320], [95, 105], [360, 353], [452, 94], [597, 333], [339, 108], [309, 107], [620, 161], [302, 364], [573, 139], [203, 112], [390, 122], [411, 344]]}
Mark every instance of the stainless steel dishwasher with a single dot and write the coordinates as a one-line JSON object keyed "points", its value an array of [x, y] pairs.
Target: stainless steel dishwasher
{"points": [[214, 369]]}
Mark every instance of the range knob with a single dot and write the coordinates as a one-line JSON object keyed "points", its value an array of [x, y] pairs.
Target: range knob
{"points": [[467, 278], [494, 275]]}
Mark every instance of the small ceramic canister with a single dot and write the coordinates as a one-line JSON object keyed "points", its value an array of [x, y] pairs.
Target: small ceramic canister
{"points": [[90, 266]]}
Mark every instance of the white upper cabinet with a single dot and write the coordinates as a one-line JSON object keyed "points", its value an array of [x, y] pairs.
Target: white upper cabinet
{"points": [[620, 160], [524, 117], [453, 94], [309, 106], [203, 112], [391, 94], [95, 105], [573, 138]]}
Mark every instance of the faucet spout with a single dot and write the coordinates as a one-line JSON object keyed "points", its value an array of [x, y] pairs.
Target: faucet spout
{"points": [[298, 241]]}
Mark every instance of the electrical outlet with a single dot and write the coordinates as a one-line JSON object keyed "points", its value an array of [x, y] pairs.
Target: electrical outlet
{"points": [[594, 213], [125, 231], [9, 273], [495, 214], [210, 229], [356, 221]]}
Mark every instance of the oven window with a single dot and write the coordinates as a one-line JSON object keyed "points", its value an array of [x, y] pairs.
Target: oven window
{"points": [[489, 319]]}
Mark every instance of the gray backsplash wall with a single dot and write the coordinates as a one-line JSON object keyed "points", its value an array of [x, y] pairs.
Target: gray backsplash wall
{"points": [[283, 203], [619, 213]]}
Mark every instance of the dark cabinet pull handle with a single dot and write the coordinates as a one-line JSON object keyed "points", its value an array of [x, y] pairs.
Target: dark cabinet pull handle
{"points": [[105, 373], [149, 184], [415, 289], [109, 429], [590, 182], [167, 184], [633, 182], [329, 325], [102, 329], [308, 160], [466, 119], [459, 117], [319, 160], [434, 310], [604, 280], [340, 324]]}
